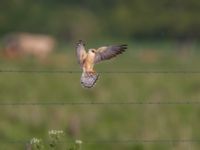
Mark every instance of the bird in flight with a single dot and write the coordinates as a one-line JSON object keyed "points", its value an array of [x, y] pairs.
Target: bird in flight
{"points": [[87, 60]]}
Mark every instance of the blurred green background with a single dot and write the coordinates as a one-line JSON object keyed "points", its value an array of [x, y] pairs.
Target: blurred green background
{"points": [[161, 36]]}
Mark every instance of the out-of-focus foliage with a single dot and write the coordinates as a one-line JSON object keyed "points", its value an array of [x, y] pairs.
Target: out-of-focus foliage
{"points": [[74, 19]]}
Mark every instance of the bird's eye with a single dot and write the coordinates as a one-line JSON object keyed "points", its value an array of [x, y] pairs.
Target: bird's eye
{"points": [[93, 51]]}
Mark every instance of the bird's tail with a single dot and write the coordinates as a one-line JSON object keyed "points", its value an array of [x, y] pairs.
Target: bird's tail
{"points": [[88, 80]]}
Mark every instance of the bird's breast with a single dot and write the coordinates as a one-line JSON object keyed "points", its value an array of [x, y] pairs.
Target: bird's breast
{"points": [[89, 62], [90, 58]]}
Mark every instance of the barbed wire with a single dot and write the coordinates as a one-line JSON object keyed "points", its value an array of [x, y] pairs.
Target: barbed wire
{"points": [[106, 72], [62, 103], [127, 141]]}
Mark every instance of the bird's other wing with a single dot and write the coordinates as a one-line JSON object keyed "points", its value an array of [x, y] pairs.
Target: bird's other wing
{"points": [[108, 52], [80, 52]]}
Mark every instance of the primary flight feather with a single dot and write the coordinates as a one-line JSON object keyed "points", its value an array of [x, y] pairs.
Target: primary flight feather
{"points": [[87, 60]]}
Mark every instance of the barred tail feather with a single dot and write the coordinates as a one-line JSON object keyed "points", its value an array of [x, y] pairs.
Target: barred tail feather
{"points": [[88, 80]]}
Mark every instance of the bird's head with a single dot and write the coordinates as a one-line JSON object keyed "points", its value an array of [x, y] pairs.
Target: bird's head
{"points": [[92, 50]]}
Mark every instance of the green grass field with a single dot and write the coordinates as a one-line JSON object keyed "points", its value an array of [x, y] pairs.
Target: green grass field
{"points": [[105, 122]]}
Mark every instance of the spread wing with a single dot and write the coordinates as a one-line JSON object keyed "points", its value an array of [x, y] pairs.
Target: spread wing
{"points": [[108, 52], [80, 52]]}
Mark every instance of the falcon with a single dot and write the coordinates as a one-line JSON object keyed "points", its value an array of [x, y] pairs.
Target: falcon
{"points": [[87, 60]]}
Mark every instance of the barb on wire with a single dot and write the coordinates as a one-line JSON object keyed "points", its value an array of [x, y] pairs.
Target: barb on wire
{"points": [[62, 103], [106, 72]]}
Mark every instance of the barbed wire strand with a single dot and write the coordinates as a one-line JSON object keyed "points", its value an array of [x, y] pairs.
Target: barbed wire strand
{"points": [[61, 103], [131, 141], [106, 72]]}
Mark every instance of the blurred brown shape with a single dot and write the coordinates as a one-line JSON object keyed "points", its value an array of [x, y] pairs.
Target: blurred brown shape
{"points": [[74, 126], [27, 44]]}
